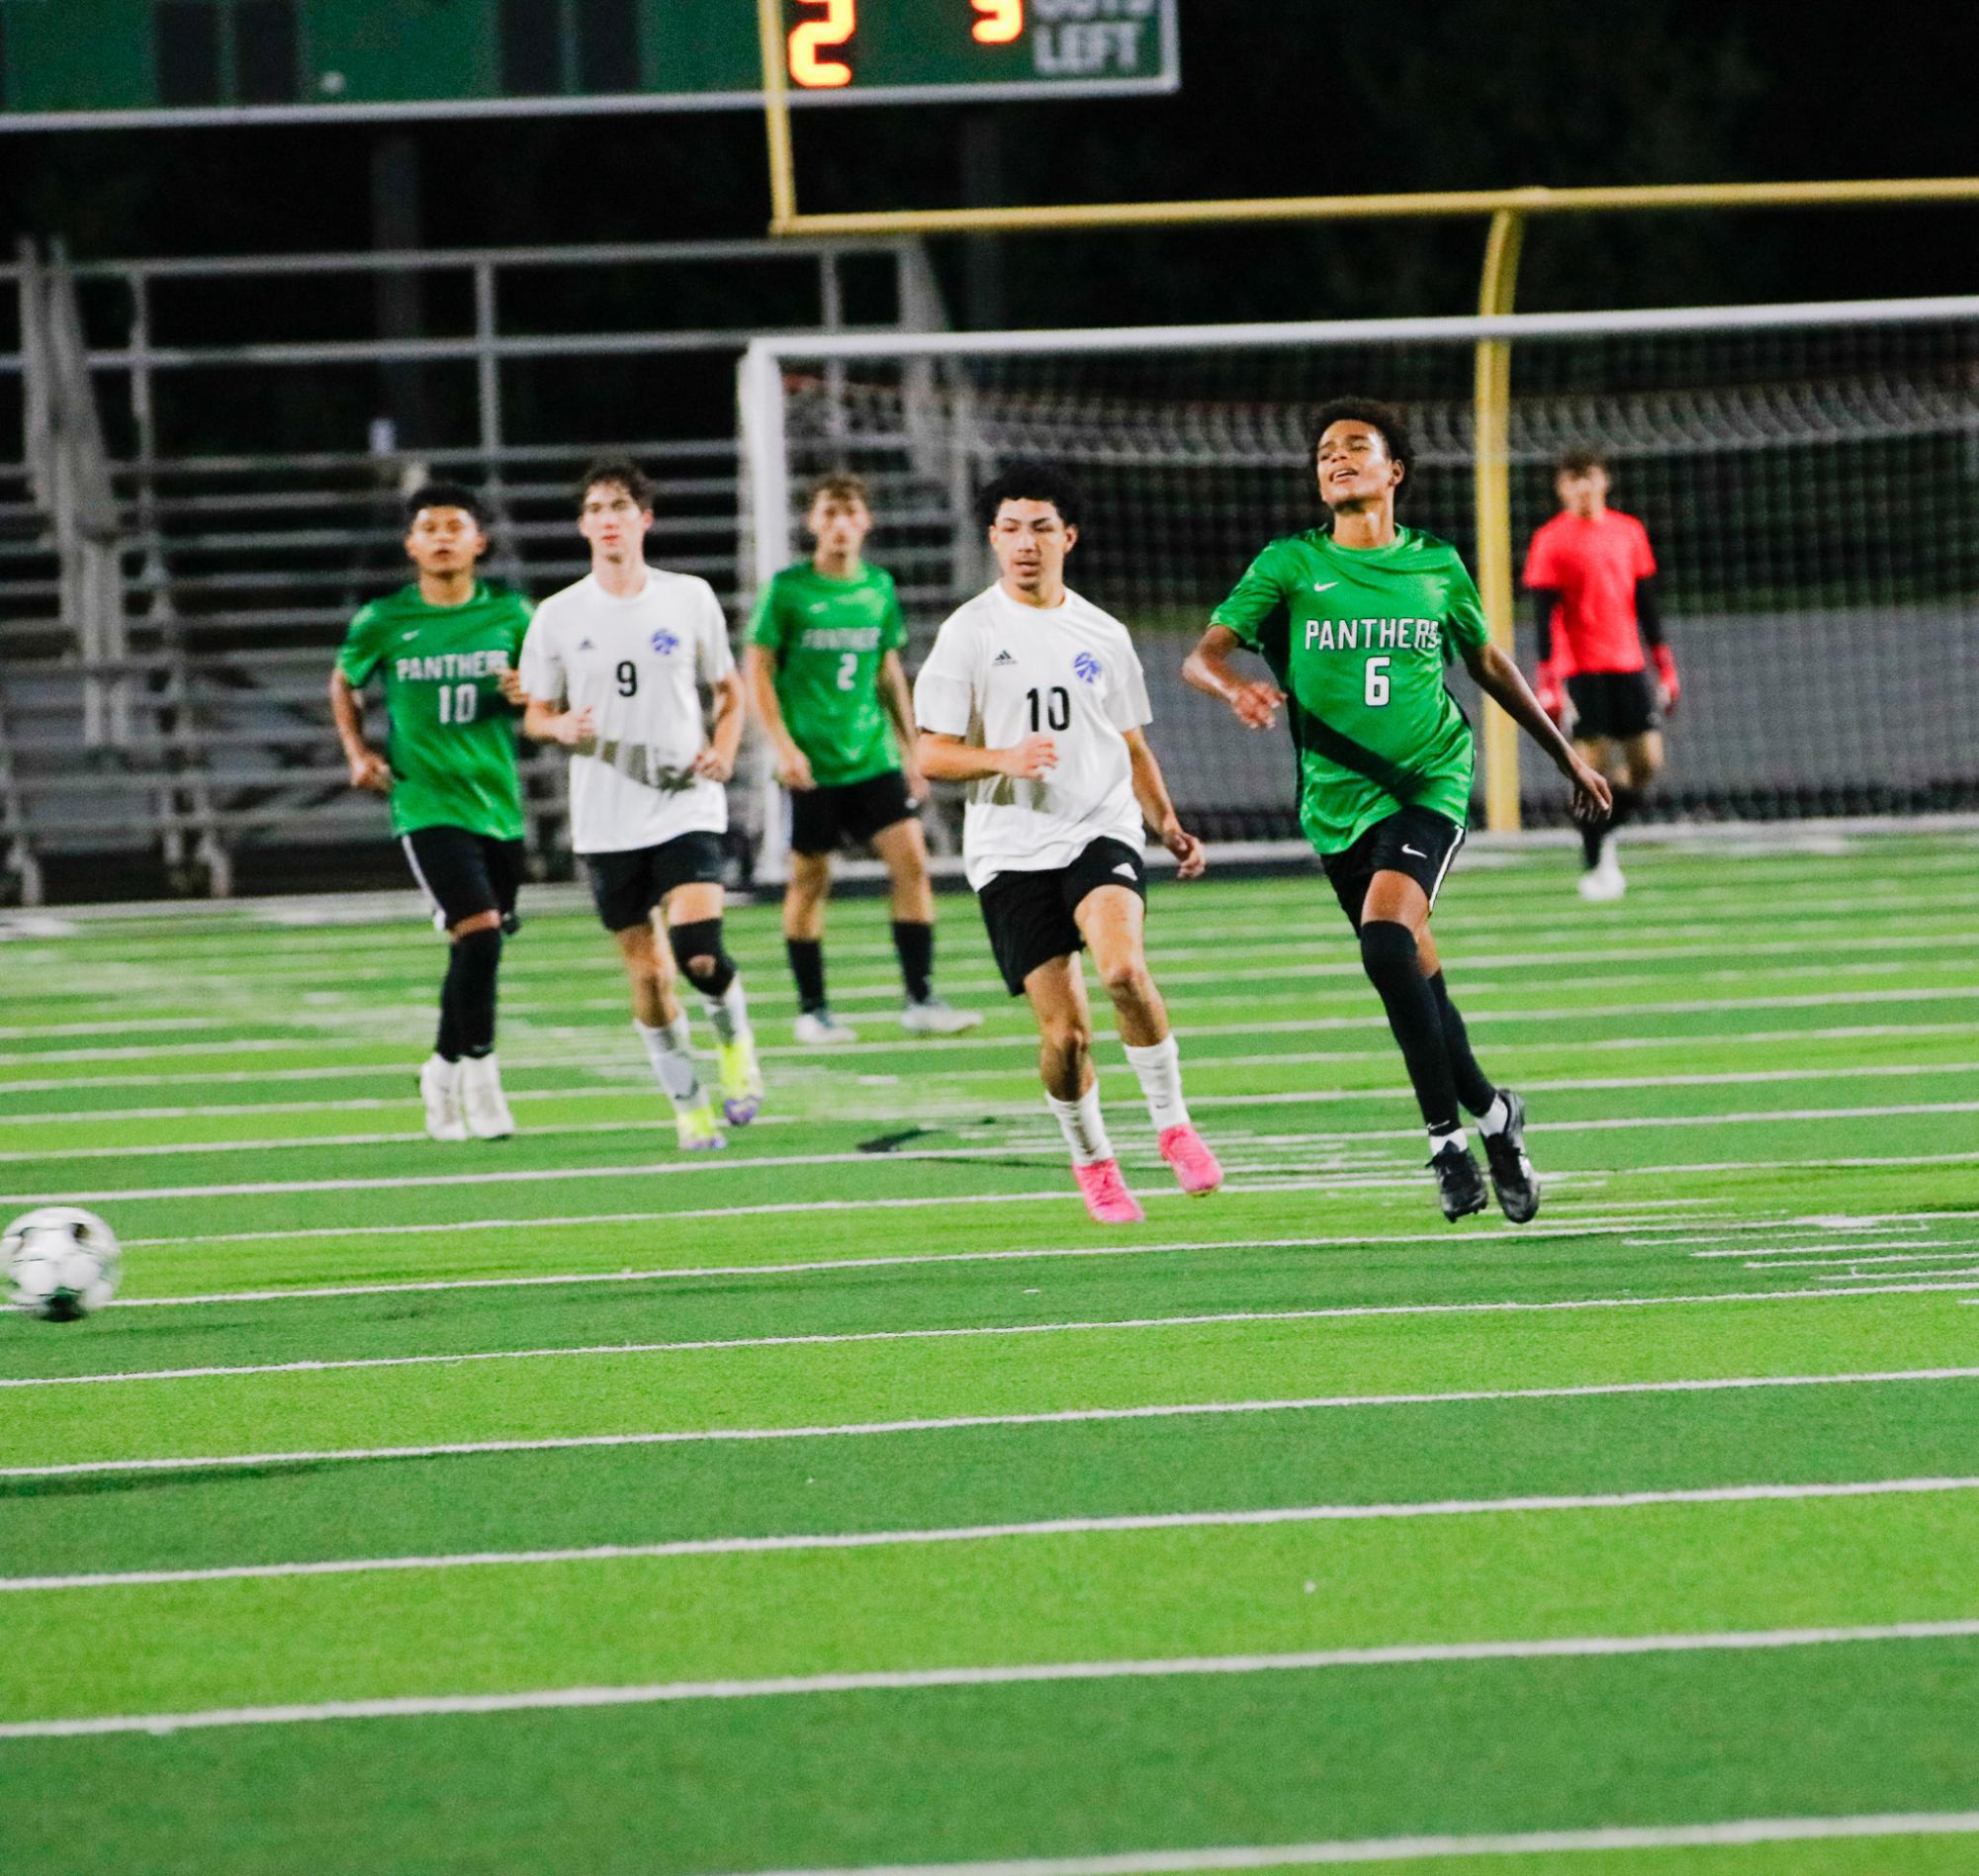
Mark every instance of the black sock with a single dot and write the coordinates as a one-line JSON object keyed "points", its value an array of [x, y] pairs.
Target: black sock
{"points": [[1628, 804], [447, 1044], [1389, 953], [807, 967], [1591, 837], [470, 982], [915, 945], [1474, 1088]]}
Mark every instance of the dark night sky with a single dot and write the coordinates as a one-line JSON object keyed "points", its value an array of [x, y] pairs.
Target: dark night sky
{"points": [[1277, 98]]}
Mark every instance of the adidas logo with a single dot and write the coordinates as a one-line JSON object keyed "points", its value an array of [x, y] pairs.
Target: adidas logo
{"points": [[1003, 658], [1124, 870], [584, 645]]}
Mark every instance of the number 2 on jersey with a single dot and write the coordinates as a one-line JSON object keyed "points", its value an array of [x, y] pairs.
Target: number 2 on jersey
{"points": [[1051, 710], [848, 670]]}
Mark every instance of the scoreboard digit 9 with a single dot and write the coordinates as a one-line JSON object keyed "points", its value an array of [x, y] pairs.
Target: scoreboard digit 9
{"points": [[895, 47], [81, 64]]}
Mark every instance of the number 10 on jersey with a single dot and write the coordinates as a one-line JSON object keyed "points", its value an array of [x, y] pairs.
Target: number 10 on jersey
{"points": [[459, 703], [1050, 709]]}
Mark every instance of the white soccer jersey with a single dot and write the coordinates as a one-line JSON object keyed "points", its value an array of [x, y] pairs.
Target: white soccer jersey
{"points": [[1000, 671], [639, 664]]}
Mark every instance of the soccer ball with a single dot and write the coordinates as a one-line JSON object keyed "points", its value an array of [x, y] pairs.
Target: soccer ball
{"points": [[61, 1263]]}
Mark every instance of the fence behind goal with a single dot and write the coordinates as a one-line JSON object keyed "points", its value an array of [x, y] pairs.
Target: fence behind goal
{"points": [[1809, 476]]}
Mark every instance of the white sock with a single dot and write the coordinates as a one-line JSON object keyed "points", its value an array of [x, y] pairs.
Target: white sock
{"points": [[729, 1013], [672, 1066], [1438, 1141], [1085, 1132], [1497, 1117], [1158, 1069]]}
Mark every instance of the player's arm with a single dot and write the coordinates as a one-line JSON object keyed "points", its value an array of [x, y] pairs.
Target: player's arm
{"points": [[943, 758], [717, 761], [1549, 674], [545, 721], [1501, 679], [368, 769], [1648, 616], [1208, 667], [1150, 790], [793, 766], [897, 701]]}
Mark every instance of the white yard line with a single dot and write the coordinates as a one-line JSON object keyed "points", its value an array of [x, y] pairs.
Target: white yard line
{"points": [[698, 1271], [446, 1449], [1073, 1416], [761, 1162], [1345, 1850], [1405, 1654], [1265, 1517], [642, 1089], [925, 1047]]}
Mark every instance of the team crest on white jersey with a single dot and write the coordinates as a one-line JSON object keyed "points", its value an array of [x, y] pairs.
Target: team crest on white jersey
{"points": [[665, 643], [1089, 668]]}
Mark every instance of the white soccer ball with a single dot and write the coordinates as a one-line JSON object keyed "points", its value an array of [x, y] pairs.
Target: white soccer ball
{"points": [[61, 1263]]}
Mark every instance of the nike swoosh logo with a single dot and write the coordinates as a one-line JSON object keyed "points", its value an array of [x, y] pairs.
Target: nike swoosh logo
{"points": [[1324, 585], [1416, 851]]}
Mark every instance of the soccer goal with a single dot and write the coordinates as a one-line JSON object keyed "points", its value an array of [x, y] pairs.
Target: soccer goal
{"points": [[1809, 476]]}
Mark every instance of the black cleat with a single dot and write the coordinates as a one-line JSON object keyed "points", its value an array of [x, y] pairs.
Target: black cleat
{"points": [[1512, 1177], [1459, 1187]]}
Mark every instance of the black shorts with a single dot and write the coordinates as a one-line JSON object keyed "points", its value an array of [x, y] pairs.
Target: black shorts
{"points": [[1613, 704], [463, 874], [626, 886], [824, 819], [1029, 915], [1412, 841]]}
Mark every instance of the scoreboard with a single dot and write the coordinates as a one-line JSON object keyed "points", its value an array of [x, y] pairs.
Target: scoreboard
{"points": [[113, 63]]}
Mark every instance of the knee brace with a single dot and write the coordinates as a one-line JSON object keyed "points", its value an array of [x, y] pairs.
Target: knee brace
{"points": [[698, 948]]}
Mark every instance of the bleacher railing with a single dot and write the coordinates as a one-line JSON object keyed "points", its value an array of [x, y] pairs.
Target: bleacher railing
{"points": [[169, 611]]}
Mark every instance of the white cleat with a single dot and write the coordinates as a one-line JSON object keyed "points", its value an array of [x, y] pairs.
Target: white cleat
{"points": [[484, 1107], [1603, 884], [820, 1028], [439, 1089], [934, 1016]]}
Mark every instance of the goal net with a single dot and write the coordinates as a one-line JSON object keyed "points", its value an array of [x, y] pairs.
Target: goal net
{"points": [[1809, 476]]}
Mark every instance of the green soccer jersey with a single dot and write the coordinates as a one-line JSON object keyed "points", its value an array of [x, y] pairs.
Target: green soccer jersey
{"points": [[1358, 638], [452, 748], [827, 638]]}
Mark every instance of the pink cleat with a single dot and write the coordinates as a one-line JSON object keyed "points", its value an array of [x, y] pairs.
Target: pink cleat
{"points": [[1106, 1195], [1196, 1168]]}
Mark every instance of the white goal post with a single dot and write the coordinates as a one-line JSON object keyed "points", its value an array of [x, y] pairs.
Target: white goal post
{"points": [[1809, 475]]}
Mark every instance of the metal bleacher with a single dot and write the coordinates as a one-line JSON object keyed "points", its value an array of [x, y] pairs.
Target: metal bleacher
{"points": [[169, 611]]}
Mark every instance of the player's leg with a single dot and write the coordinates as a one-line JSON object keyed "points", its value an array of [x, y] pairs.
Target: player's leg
{"points": [[1640, 761], [1112, 919], [1056, 990], [814, 838], [1500, 1112], [476, 962], [903, 847], [452, 871], [1036, 943], [623, 886], [695, 927]]}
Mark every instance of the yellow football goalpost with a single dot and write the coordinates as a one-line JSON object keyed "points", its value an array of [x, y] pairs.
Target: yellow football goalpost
{"points": [[1505, 211]]}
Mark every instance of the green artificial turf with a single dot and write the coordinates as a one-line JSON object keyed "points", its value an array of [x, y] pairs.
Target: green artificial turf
{"points": [[1755, 1092]]}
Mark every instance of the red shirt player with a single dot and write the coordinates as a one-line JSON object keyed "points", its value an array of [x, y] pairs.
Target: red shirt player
{"points": [[1592, 577]]}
